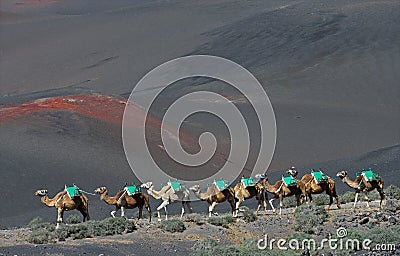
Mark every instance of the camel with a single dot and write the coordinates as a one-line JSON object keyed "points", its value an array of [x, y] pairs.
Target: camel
{"points": [[64, 203], [168, 195], [280, 190], [361, 184], [243, 193], [311, 187], [213, 197], [124, 201]]}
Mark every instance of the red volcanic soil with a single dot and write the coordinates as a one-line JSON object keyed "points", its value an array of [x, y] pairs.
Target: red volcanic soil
{"points": [[36, 2], [106, 108], [102, 107]]}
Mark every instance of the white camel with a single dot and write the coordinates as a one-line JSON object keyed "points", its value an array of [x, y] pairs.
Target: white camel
{"points": [[168, 195]]}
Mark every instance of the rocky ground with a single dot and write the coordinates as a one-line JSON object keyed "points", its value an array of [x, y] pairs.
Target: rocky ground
{"points": [[200, 235]]}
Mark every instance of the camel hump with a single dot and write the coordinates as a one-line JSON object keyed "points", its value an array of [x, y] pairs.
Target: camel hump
{"points": [[73, 191], [369, 175], [248, 181], [289, 180], [132, 189], [221, 184], [319, 176]]}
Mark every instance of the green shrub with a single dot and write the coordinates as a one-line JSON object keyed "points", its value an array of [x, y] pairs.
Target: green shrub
{"points": [[248, 215], [392, 206], [289, 202], [392, 192], [221, 221], [37, 223], [347, 197], [308, 217], [173, 226], [39, 236], [320, 200], [73, 219], [195, 218], [106, 227]]}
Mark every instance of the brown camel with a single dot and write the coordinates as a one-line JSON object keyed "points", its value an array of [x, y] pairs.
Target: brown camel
{"points": [[361, 184], [312, 187], [63, 202], [280, 190], [243, 193], [124, 201], [213, 197]]}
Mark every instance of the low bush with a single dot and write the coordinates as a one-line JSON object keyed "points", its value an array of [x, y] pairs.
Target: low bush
{"points": [[308, 217], [73, 219], [248, 215], [392, 192], [45, 232], [221, 221], [288, 202], [40, 236], [320, 200], [347, 197], [195, 218], [173, 226]]}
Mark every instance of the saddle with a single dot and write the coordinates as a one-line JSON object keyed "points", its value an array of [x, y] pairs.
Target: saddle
{"points": [[289, 180], [319, 176], [133, 189], [221, 184], [369, 175], [248, 182], [73, 191]]}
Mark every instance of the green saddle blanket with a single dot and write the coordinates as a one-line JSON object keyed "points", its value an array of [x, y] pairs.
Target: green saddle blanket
{"points": [[133, 189], [248, 182], [319, 176], [369, 175], [73, 191], [221, 184], [289, 180], [176, 185]]}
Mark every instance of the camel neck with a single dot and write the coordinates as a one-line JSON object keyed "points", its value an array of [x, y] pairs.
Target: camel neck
{"points": [[350, 183], [47, 201]]}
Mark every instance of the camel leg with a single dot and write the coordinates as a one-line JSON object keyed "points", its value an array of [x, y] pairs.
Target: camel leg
{"points": [[140, 211], [355, 200], [270, 203], [115, 211], [162, 205], [330, 203], [122, 211], [84, 213], [189, 206], [183, 209], [211, 208], [60, 213], [280, 204], [366, 198], [382, 195], [237, 207]]}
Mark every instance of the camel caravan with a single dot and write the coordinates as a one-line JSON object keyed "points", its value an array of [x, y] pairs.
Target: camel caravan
{"points": [[132, 196]]}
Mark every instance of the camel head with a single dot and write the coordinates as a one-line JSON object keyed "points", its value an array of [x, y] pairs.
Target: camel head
{"points": [[341, 174], [147, 185], [292, 171], [195, 188], [100, 190], [41, 192]]}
